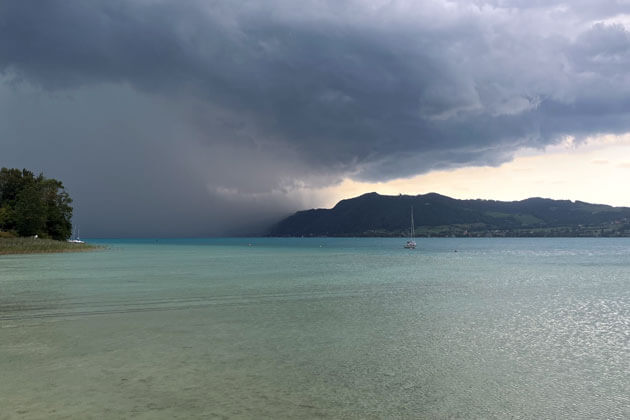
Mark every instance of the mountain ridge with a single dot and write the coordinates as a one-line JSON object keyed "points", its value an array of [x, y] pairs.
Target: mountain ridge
{"points": [[372, 214]]}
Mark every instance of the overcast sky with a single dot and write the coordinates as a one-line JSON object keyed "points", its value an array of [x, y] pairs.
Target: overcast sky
{"points": [[195, 118]]}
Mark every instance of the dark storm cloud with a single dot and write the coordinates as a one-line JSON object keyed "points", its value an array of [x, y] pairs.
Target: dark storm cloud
{"points": [[250, 101]]}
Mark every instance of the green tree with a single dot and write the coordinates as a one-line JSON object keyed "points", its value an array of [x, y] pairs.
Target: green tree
{"points": [[58, 210], [6, 216], [30, 210], [34, 205], [12, 182]]}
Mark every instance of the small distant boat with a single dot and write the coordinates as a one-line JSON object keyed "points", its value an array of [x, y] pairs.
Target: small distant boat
{"points": [[77, 239], [411, 243]]}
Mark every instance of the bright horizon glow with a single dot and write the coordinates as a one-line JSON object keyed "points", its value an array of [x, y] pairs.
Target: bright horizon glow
{"points": [[594, 171]]}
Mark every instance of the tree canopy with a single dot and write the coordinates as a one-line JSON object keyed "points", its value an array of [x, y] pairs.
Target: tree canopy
{"points": [[34, 205]]}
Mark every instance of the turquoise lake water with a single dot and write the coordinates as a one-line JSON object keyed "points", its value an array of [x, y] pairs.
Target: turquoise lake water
{"points": [[318, 328]]}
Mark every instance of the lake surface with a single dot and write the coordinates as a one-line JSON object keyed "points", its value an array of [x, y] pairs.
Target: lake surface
{"points": [[318, 328]]}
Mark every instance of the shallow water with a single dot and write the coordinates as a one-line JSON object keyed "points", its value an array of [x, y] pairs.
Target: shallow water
{"points": [[306, 328]]}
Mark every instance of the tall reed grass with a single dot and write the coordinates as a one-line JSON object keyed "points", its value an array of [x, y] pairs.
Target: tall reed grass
{"points": [[36, 246]]}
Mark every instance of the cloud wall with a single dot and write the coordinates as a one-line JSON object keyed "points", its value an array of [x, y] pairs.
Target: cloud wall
{"points": [[197, 117]]}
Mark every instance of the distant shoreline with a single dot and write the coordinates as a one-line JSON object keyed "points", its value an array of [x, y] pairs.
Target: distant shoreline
{"points": [[475, 235], [437, 215], [14, 246]]}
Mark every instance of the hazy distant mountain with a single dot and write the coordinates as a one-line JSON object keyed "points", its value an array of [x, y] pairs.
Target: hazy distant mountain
{"points": [[437, 215]]}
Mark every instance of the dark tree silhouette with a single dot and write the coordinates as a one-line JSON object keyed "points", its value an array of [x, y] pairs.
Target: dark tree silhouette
{"points": [[34, 205]]}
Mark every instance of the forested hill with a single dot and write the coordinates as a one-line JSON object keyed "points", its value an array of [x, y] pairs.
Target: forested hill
{"points": [[437, 215]]}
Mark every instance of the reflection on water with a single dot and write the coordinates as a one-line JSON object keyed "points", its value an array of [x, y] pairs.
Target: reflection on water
{"points": [[303, 328]]}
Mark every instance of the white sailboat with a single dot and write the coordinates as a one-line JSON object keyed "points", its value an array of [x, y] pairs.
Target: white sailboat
{"points": [[411, 243], [77, 239]]}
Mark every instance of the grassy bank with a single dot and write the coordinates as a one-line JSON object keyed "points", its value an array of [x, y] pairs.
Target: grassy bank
{"points": [[38, 246]]}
